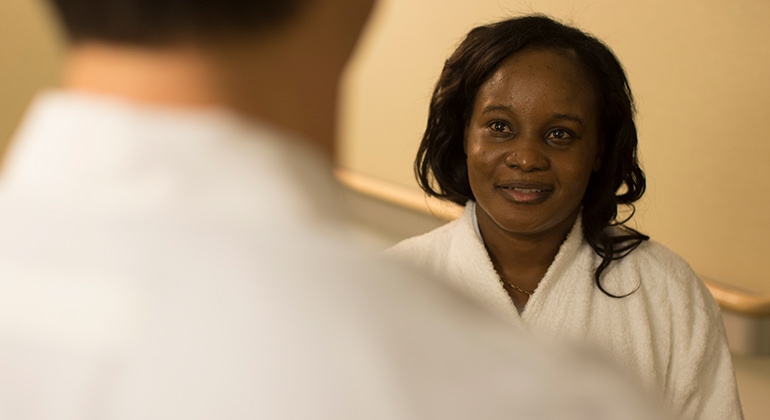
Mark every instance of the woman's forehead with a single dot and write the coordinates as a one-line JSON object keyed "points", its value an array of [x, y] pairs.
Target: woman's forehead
{"points": [[536, 77]]}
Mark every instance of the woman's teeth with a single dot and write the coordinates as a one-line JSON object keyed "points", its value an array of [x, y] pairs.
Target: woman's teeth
{"points": [[525, 190]]}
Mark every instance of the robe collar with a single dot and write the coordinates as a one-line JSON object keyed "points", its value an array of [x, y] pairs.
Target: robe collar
{"points": [[474, 271]]}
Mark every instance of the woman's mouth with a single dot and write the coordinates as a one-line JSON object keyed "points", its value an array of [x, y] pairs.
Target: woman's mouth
{"points": [[525, 194]]}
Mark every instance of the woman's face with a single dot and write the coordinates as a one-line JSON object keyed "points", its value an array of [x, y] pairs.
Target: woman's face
{"points": [[532, 143]]}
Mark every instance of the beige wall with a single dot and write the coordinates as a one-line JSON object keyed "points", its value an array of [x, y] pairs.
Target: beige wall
{"points": [[30, 55], [700, 71]]}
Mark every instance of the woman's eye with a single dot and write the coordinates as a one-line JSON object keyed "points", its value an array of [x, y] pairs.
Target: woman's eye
{"points": [[499, 126], [559, 134]]}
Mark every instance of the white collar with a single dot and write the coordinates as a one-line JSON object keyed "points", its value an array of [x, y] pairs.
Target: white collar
{"points": [[476, 221]]}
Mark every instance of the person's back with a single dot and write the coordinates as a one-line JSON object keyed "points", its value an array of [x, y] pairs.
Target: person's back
{"points": [[168, 253], [200, 273]]}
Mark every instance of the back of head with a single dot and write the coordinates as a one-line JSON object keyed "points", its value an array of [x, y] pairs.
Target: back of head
{"points": [[153, 22], [239, 54]]}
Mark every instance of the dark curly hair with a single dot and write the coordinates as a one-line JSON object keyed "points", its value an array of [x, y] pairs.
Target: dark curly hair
{"points": [[441, 167]]}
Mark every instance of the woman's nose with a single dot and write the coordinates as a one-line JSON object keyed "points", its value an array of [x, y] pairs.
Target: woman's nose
{"points": [[527, 156]]}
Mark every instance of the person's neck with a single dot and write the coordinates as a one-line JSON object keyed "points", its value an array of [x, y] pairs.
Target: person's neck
{"points": [[184, 76], [522, 259], [177, 77]]}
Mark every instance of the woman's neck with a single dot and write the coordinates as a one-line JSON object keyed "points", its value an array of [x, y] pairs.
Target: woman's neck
{"points": [[521, 259]]}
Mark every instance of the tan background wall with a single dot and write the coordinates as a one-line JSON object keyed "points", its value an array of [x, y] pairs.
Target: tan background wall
{"points": [[30, 57], [700, 71]]}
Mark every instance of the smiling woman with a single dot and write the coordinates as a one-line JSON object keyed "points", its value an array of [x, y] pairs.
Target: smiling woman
{"points": [[502, 76], [531, 127], [531, 145]]}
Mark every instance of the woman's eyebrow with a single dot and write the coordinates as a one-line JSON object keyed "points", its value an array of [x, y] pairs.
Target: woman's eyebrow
{"points": [[570, 117], [494, 108], [554, 116]]}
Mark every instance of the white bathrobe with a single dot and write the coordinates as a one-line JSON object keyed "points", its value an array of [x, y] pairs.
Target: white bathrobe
{"points": [[669, 332]]}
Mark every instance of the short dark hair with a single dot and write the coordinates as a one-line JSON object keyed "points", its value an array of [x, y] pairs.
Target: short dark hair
{"points": [[153, 22], [441, 167]]}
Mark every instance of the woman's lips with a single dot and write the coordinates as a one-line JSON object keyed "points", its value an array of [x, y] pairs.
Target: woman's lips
{"points": [[525, 193]]}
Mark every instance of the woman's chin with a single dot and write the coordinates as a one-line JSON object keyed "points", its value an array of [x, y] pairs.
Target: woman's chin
{"points": [[534, 221]]}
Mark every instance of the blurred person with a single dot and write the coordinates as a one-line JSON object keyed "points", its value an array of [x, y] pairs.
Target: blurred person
{"points": [[531, 128], [171, 243]]}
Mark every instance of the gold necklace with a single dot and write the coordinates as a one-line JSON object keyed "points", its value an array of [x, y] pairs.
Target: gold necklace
{"points": [[515, 287]]}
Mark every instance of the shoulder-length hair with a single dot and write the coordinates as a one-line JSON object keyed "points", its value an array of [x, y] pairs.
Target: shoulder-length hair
{"points": [[441, 167]]}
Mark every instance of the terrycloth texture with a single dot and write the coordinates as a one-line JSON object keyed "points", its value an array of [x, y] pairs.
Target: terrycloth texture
{"points": [[669, 331]]}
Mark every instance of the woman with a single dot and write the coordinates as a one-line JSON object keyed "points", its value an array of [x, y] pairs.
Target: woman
{"points": [[531, 127]]}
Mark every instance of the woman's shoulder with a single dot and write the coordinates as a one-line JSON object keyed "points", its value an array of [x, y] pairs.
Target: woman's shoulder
{"points": [[649, 257], [654, 256], [665, 274]]}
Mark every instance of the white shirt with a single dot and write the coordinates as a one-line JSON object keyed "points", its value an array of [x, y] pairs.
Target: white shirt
{"points": [[169, 264]]}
